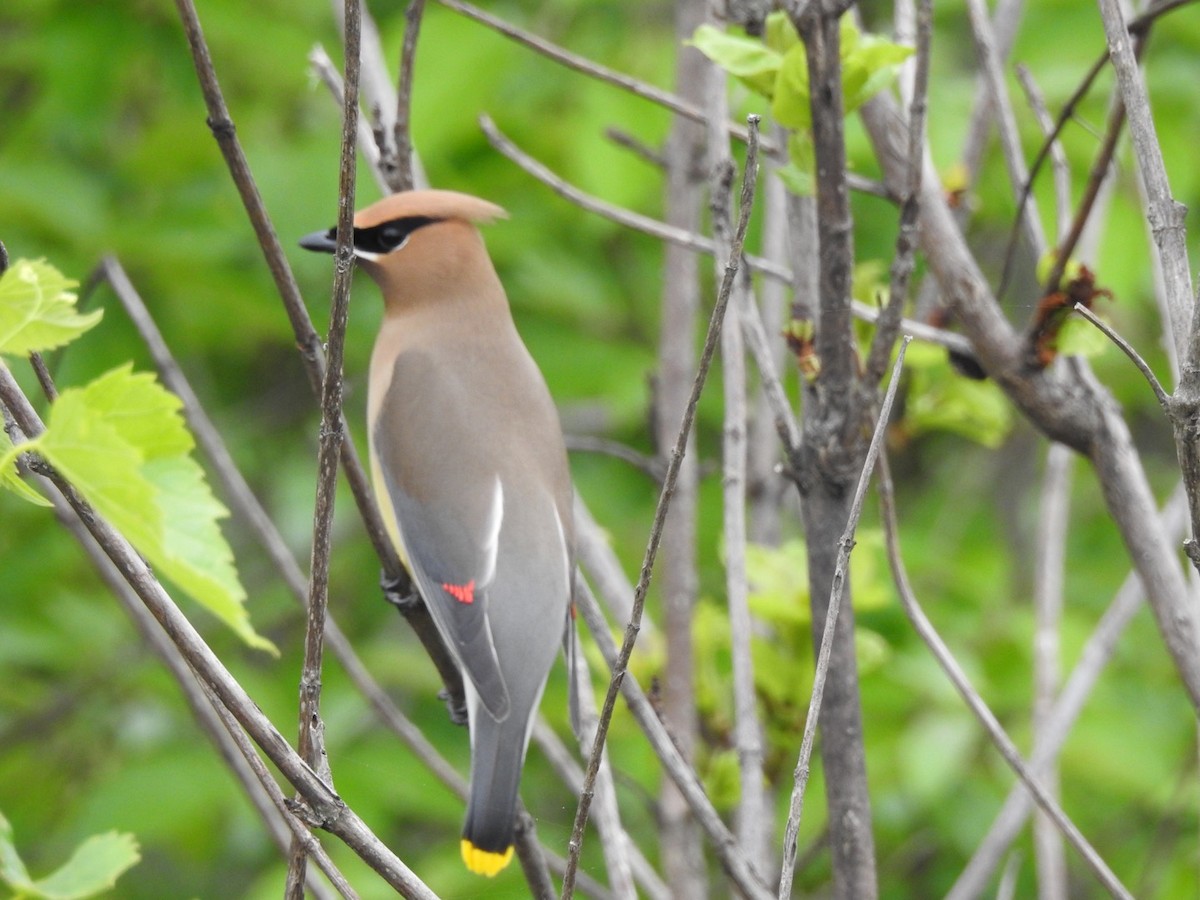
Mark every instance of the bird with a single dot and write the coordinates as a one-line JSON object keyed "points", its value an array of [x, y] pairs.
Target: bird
{"points": [[470, 469]]}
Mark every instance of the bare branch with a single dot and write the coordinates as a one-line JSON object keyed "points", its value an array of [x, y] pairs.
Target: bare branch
{"points": [[1160, 394], [1049, 568], [688, 239], [639, 597], [1058, 156], [581, 64], [985, 716], [1010, 140], [1165, 214], [888, 325], [403, 128], [845, 545], [724, 844]]}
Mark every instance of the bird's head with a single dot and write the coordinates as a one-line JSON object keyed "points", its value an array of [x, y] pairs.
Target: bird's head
{"points": [[414, 238]]}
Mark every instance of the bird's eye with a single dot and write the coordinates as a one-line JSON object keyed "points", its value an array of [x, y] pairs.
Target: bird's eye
{"points": [[392, 236]]}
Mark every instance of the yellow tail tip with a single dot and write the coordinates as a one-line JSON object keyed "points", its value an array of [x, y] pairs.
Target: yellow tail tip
{"points": [[484, 862]]}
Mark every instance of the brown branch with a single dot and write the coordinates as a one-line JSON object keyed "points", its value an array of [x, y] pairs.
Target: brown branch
{"points": [[888, 326]]}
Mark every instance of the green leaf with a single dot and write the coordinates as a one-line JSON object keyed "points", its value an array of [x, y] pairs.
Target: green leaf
{"points": [[778, 578], [10, 478], [789, 97], [1079, 337], [940, 400], [94, 867], [37, 309], [12, 870], [780, 35], [747, 59], [196, 556], [121, 441]]}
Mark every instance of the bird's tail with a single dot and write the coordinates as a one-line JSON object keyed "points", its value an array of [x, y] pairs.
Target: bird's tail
{"points": [[497, 755]]}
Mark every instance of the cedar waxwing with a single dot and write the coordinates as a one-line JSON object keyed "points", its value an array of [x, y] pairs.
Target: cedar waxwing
{"points": [[469, 466]]}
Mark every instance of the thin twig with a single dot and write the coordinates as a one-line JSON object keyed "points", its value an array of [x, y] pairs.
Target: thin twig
{"points": [[311, 742], [601, 73], [845, 545], [1142, 366], [368, 145], [985, 716], [639, 597], [888, 326], [1058, 156], [754, 826], [402, 130], [724, 844], [1006, 122], [684, 238]]}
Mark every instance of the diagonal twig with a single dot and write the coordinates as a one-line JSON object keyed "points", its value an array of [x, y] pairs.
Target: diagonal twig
{"points": [[639, 597], [985, 716], [845, 545]]}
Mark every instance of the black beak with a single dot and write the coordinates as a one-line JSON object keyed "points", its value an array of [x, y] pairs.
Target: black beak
{"points": [[320, 241]]}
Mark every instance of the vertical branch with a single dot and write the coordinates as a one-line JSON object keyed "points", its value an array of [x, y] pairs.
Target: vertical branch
{"points": [[906, 240], [838, 587], [1049, 566], [753, 823], [829, 460], [683, 864], [402, 131], [312, 742], [1166, 215], [660, 513]]}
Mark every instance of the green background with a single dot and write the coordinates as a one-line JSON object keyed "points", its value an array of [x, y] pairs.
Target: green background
{"points": [[104, 149]]}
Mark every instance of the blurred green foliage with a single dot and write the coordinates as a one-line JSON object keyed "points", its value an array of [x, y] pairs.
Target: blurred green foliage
{"points": [[103, 148]]}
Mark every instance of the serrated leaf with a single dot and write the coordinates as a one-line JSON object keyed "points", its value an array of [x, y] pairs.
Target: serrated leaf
{"points": [[37, 309], [747, 59], [197, 557], [11, 479], [122, 442], [94, 867], [144, 413]]}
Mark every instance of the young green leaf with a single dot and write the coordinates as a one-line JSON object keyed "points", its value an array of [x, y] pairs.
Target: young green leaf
{"points": [[941, 401], [121, 441], [37, 309], [748, 59], [93, 868]]}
